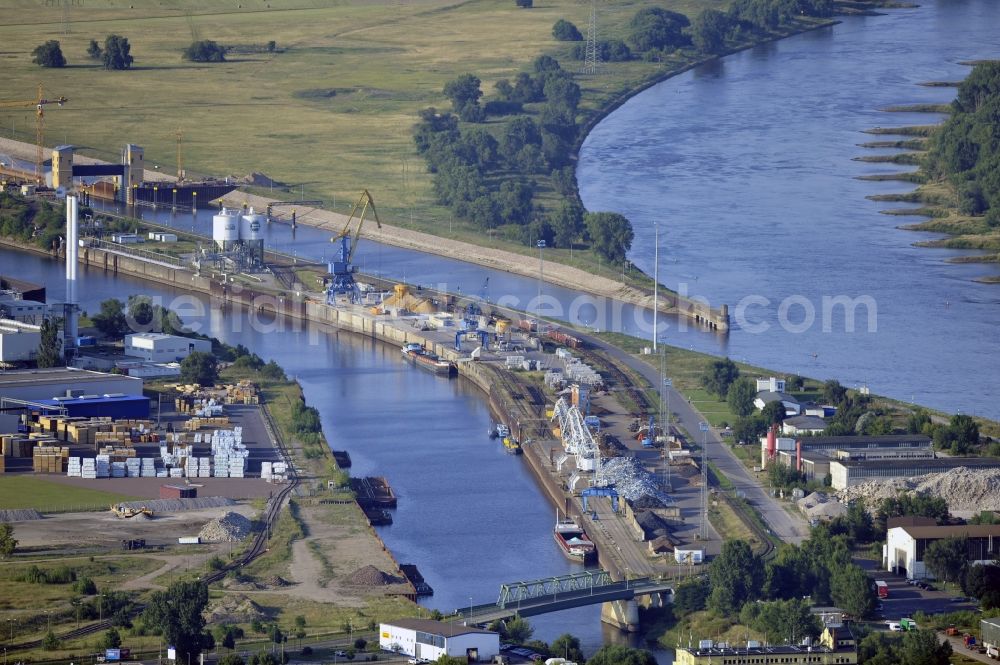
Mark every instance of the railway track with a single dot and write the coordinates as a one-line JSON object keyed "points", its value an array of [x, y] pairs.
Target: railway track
{"points": [[257, 548]]}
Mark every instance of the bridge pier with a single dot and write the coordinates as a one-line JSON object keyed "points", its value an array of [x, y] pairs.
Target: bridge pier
{"points": [[622, 614]]}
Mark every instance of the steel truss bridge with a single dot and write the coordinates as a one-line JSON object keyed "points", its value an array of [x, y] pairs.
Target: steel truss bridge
{"points": [[560, 593]]}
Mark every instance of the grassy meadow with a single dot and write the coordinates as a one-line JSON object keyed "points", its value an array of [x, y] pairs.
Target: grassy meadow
{"points": [[30, 491], [328, 113]]}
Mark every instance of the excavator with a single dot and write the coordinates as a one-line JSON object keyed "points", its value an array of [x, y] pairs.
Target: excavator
{"points": [[125, 512], [342, 269]]}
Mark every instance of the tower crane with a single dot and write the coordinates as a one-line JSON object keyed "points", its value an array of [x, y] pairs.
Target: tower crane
{"points": [[39, 103], [343, 268]]}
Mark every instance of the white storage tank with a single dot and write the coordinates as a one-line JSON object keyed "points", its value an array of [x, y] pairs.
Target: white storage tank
{"points": [[225, 229], [250, 224]]}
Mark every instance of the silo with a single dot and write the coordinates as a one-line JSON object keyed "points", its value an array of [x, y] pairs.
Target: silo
{"points": [[250, 224], [226, 229], [251, 238]]}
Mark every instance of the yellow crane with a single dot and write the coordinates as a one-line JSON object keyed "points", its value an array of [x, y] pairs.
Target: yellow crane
{"points": [[39, 103], [343, 269]]}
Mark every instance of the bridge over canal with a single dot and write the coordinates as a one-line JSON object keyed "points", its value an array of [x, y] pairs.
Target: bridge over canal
{"points": [[568, 591]]}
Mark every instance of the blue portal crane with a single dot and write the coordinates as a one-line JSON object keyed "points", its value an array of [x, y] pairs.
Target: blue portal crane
{"points": [[342, 269]]}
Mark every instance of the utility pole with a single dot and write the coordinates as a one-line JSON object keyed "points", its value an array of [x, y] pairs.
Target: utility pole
{"points": [[538, 308]]}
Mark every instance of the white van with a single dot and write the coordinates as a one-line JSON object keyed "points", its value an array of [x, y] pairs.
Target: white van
{"points": [[894, 626]]}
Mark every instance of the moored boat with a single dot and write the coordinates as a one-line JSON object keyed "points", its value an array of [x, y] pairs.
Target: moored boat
{"points": [[429, 361], [512, 446], [573, 540]]}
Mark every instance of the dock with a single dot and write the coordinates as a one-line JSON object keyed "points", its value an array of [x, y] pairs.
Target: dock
{"points": [[373, 492], [416, 579]]}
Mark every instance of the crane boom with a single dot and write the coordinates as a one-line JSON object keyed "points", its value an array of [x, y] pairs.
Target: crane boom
{"points": [[364, 202], [40, 102], [342, 270]]}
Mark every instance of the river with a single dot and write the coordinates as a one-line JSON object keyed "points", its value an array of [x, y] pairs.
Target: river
{"points": [[746, 166], [470, 516]]}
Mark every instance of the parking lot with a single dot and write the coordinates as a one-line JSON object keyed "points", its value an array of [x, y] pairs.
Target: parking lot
{"points": [[906, 599]]}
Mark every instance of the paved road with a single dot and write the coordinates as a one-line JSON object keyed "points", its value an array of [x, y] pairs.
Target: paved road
{"points": [[785, 526]]}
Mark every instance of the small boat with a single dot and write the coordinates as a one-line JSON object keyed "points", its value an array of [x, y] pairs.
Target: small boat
{"points": [[429, 361], [502, 431], [512, 446], [573, 540]]}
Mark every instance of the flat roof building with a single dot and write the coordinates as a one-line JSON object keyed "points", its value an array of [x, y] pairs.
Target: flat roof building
{"points": [[429, 640], [905, 546], [39, 384], [836, 646], [989, 631], [850, 472], [19, 341], [162, 348]]}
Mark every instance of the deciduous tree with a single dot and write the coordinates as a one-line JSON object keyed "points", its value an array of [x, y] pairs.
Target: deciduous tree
{"points": [[740, 396], [117, 53], [947, 558], [48, 54], [736, 577], [611, 234]]}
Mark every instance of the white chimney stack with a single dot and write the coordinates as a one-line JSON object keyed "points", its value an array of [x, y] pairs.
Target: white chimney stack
{"points": [[72, 264]]}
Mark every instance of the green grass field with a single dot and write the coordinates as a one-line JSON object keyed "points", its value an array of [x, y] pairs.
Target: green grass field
{"points": [[49, 497], [329, 113]]}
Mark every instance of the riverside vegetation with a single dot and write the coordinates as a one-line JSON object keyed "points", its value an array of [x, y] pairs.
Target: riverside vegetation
{"points": [[329, 112], [959, 174]]}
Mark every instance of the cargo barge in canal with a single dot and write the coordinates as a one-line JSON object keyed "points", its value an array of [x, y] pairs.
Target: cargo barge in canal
{"points": [[420, 357], [573, 541]]}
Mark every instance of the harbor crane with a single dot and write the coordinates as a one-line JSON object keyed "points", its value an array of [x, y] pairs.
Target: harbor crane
{"points": [[39, 103], [342, 269]]}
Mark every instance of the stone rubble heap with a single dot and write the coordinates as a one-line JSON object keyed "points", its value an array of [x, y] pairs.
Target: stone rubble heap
{"points": [[230, 528], [963, 488]]}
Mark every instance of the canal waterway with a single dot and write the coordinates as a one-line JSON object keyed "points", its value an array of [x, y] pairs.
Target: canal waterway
{"points": [[470, 516], [746, 166]]}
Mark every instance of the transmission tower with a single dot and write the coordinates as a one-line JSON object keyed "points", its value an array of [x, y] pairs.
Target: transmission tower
{"points": [[591, 60]]}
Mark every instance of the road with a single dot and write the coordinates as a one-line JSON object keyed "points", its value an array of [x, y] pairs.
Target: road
{"points": [[784, 525]]}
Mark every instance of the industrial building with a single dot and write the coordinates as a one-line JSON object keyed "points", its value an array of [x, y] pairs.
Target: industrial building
{"points": [[429, 640], [903, 552], [849, 472], [119, 407], [19, 341], [161, 348], [833, 447], [837, 645], [16, 289], [39, 384], [25, 311]]}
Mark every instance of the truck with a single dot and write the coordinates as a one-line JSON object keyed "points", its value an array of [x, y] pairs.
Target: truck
{"points": [[882, 588], [969, 640], [908, 624]]}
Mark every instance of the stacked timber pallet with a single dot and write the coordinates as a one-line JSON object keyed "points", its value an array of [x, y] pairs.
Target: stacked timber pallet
{"points": [[49, 459]]}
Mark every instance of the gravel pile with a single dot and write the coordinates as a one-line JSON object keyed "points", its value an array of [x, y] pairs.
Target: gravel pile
{"points": [[371, 576], [234, 608], [173, 505], [230, 528], [963, 488], [19, 515], [632, 480]]}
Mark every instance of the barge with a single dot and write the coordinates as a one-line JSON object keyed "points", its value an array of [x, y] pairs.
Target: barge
{"points": [[420, 357], [573, 541]]}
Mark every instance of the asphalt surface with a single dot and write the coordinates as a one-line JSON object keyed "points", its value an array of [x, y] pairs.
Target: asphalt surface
{"points": [[784, 525]]}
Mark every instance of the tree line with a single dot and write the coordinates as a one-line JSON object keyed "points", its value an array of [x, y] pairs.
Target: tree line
{"points": [[116, 54], [966, 149], [488, 174], [654, 32]]}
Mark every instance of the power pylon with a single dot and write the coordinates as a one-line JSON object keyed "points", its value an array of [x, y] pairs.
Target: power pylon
{"points": [[591, 59]]}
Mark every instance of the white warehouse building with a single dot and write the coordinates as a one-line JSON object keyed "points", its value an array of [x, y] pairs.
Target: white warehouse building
{"points": [[905, 546], [161, 348], [425, 639], [19, 341]]}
